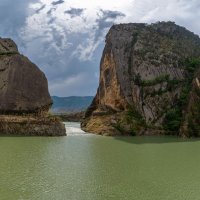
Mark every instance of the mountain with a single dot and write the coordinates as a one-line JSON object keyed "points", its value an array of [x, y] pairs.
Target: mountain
{"points": [[24, 96], [149, 82], [70, 104]]}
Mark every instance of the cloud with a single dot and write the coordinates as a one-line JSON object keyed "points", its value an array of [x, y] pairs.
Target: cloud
{"points": [[183, 12], [50, 11], [104, 20], [109, 14], [13, 16], [83, 79], [57, 2], [74, 12], [66, 38], [38, 10]]}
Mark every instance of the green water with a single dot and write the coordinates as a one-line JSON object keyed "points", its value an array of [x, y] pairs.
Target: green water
{"points": [[88, 167]]}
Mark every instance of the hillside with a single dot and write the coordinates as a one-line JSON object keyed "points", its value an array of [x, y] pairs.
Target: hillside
{"points": [[70, 104]]}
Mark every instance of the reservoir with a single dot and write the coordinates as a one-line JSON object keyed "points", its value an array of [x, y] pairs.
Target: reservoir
{"points": [[89, 167]]}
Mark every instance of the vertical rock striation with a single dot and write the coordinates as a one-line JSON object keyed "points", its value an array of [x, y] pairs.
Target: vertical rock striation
{"points": [[143, 74]]}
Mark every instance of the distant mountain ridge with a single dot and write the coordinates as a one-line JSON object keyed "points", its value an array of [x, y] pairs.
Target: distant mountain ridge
{"points": [[70, 104]]}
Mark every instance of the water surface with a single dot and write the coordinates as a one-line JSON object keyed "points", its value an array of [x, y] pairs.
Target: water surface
{"points": [[89, 167]]}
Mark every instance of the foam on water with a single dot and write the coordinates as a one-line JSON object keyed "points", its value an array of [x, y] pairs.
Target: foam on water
{"points": [[73, 129]]}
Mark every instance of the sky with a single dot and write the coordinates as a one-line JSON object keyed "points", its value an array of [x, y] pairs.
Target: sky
{"points": [[65, 38]]}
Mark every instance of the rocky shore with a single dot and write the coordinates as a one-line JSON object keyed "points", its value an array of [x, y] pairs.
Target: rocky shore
{"points": [[71, 117]]}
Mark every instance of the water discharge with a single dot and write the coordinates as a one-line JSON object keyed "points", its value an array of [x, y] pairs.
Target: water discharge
{"points": [[73, 129], [90, 167]]}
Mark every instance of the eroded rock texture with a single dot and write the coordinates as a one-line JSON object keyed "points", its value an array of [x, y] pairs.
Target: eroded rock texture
{"points": [[143, 74], [23, 86], [191, 114], [23, 91]]}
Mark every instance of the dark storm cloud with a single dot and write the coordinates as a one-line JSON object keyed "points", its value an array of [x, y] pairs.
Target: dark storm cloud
{"points": [[57, 2], [42, 7], [88, 47], [12, 17], [106, 20], [107, 17], [50, 11], [74, 12], [109, 14], [66, 76]]}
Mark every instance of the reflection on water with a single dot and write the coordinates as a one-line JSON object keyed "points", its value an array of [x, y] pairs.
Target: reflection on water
{"points": [[99, 168]]}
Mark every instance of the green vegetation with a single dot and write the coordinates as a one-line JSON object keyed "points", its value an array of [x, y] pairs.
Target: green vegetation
{"points": [[173, 117], [160, 79], [138, 80], [131, 122], [119, 127], [172, 120], [134, 114], [135, 119], [191, 65], [193, 127], [194, 117], [8, 53], [157, 80], [158, 92]]}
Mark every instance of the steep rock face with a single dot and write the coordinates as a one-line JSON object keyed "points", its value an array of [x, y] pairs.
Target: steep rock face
{"points": [[24, 91], [23, 86], [191, 120], [142, 74]]}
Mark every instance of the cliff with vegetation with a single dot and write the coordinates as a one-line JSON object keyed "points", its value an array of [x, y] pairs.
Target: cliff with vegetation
{"points": [[24, 96], [149, 82]]}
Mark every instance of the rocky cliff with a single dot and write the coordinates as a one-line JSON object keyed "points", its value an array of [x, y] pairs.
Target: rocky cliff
{"points": [[24, 96], [191, 113], [149, 82]]}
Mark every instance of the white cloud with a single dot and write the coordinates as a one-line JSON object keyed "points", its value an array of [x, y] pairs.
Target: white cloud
{"points": [[65, 45], [40, 24]]}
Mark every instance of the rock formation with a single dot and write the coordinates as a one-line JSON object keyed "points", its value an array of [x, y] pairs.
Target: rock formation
{"points": [[191, 118], [24, 96], [148, 82]]}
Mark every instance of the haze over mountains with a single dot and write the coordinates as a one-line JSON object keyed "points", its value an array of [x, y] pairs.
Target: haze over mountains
{"points": [[70, 104]]}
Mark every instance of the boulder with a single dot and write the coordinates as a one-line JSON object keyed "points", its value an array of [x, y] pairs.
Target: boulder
{"points": [[23, 92]]}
